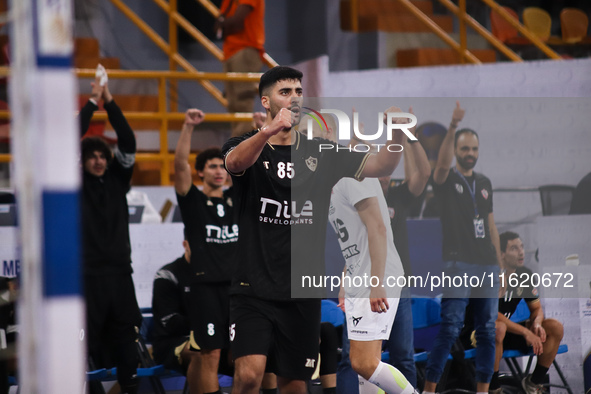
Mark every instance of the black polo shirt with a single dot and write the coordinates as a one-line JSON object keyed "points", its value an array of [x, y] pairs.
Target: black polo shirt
{"points": [[457, 218]]}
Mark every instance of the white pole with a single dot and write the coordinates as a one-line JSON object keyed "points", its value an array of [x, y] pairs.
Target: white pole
{"points": [[46, 149]]}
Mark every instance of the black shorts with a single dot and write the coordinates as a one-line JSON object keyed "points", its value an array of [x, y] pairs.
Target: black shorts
{"points": [[287, 332], [166, 353], [515, 341], [209, 310]]}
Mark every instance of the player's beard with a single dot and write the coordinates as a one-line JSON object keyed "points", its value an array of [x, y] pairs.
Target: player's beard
{"points": [[462, 161]]}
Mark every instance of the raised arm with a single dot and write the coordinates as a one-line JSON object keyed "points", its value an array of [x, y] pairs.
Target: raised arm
{"points": [[446, 151], [416, 165], [247, 152], [125, 137], [182, 169], [384, 162], [369, 212], [91, 105]]}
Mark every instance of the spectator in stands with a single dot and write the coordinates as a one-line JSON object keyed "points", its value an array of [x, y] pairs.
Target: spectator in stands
{"points": [[242, 25], [111, 305], [470, 246], [400, 198], [538, 333], [581, 202], [171, 319], [212, 233]]}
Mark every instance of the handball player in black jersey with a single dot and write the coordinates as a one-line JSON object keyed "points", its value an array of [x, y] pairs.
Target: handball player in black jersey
{"points": [[282, 185], [212, 233]]}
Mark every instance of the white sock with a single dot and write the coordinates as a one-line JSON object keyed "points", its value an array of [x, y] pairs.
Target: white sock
{"points": [[366, 387], [428, 392], [391, 380], [481, 392]]}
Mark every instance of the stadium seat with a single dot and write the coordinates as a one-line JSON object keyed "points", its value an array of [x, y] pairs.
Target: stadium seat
{"points": [[574, 24], [331, 313], [538, 21], [556, 199], [510, 356], [501, 28], [148, 368]]}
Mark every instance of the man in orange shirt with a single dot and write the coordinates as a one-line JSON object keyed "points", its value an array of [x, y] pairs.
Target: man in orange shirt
{"points": [[243, 29]]}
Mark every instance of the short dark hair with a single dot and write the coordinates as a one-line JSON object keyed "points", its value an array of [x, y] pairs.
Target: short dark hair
{"points": [[464, 131], [276, 74], [505, 238], [92, 144], [207, 154]]}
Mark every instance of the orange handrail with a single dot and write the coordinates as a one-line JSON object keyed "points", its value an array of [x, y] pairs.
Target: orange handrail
{"points": [[192, 30], [498, 44], [151, 74], [464, 19], [354, 15], [464, 53], [163, 156], [165, 47], [172, 64], [463, 38], [523, 30], [212, 117]]}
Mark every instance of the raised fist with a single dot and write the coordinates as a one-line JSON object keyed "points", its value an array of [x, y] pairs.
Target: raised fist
{"points": [[395, 120], [282, 121], [194, 116], [458, 114]]}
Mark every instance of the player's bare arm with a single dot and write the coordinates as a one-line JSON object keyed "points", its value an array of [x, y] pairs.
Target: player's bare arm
{"points": [[182, 169], [416, 164], [247, 152], [532, 340], [370, 214], [446, 151], [384, 162], [536, 317]]}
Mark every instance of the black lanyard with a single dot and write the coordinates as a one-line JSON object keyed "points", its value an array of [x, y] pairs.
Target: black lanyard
{"points": [[472, 190]]}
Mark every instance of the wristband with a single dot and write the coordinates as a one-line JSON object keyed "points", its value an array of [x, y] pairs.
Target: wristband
{"points": [[454, 125], [411, 141]]}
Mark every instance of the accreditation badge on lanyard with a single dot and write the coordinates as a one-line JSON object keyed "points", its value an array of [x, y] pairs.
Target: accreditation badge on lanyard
{"points": [[478, 221]]}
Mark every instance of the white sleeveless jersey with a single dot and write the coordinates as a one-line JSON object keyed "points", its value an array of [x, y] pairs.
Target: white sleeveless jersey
{"points": [[353, 239]]}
